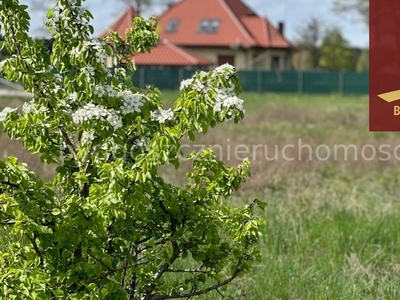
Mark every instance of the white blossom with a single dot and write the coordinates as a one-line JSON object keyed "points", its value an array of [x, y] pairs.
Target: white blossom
{"points": [[5, 112], [107, 70], [88, 71], [73, 97], [2, 63], [225, 68], [141, 142], [132, 102], [186, 83], [229, 102], [63, 15], [110, 145], [115, 120], [162, 115], [78, 16], [29, 107], [56, 88], [42, 85], [226, 98], [198, 86], [98, 46], [89, 112], [100, 90], [105, 90], [111, 91], [76, 51], [95, 44], [87, 137], [226, 91], [203, 73]]}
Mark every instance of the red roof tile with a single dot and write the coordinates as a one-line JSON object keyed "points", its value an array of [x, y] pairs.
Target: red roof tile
{"points": [[239, 8], [190, 13], [239, 25], [168, 54], [122, 23], [264, 33]]}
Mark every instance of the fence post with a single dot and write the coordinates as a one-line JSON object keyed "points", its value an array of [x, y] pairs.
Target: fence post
{"points": [[259, 81], [341, 82], [180, 75], [142, 75], [300, 82]]}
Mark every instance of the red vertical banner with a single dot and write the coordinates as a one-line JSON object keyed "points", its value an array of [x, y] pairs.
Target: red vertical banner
{"points": [[384, 65]]}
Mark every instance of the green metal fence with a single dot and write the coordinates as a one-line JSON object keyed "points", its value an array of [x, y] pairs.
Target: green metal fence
{"points": [[265, 81]]}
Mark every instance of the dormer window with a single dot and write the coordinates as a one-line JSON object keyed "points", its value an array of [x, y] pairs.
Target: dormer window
{"points": [[209, 26], [172, 25]]}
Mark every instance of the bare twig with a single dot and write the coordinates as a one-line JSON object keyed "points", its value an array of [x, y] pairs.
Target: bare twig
{"points": [[203, 291], [186, 271], [36, 248]]}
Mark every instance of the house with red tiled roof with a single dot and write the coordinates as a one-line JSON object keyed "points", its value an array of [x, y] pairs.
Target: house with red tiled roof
{"points": [[165, 54], [211, 33]]}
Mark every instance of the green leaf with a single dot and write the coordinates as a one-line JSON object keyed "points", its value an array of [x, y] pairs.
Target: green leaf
{"points": [[56, 212], [191, 135], [59, 293]]}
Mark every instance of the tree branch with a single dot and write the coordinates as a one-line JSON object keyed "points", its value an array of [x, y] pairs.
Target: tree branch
{"points": [[36, 248], [175, 252], [201, 292], [70, 145], [186, 271], [8, 222]]}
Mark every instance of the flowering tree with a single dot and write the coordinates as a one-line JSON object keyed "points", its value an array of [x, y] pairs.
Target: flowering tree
{"points": [[108, 226]]}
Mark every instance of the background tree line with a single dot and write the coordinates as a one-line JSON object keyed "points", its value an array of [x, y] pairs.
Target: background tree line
{"points": [[324, 47]]}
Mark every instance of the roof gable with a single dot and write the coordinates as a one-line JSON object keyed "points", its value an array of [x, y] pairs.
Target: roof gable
{"points": [[190, 13], [122, 23], [239, 25], [264, 33]]}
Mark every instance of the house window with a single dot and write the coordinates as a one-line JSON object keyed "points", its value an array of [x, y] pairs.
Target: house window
{"points": [[209, 26], [275, 63], [172, 25], [226, 59]]}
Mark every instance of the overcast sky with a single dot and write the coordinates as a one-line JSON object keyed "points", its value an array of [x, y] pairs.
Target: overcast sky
{"points": [[293, 13]]}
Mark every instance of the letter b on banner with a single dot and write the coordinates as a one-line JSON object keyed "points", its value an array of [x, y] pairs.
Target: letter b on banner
{"points": [[384, 62]]}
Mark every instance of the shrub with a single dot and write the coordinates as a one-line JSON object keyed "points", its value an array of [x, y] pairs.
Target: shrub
{"points": [[108, 226]]}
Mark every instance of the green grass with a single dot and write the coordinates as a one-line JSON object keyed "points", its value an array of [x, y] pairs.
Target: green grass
{"points": [[332, 227]]}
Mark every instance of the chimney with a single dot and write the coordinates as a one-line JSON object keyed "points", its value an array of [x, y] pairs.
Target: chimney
{"points": [[281, 28]]}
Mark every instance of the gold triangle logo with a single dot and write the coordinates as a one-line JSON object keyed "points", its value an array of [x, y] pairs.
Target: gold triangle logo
{"points": [[390, 96]]}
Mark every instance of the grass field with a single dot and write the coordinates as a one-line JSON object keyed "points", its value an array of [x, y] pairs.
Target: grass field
{"points": [[333, 224]]}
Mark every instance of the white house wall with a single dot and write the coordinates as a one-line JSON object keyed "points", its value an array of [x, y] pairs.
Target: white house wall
{"points": [[248, 59]]}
